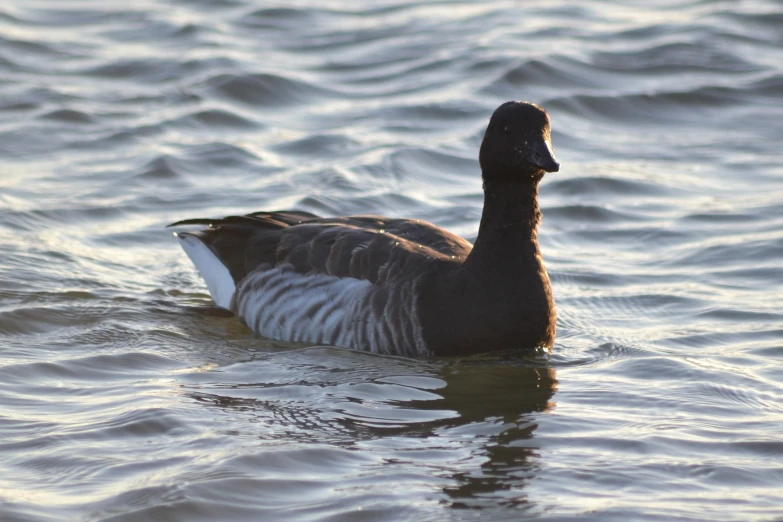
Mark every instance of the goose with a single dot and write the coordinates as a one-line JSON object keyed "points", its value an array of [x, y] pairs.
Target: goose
{"points": [[397, 286]]}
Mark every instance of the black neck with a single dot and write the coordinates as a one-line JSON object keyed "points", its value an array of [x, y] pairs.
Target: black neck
{"points": [[501, 296], [508, 229]]}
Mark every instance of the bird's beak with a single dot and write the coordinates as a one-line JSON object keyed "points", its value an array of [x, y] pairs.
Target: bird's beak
{"points": [[542, 155]]}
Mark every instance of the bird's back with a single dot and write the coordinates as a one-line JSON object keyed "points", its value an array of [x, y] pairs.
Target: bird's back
{"points": [[350, 281]]}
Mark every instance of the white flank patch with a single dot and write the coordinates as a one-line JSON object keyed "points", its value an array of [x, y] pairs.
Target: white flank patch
{"points": [[219, 281], [313, 308]]}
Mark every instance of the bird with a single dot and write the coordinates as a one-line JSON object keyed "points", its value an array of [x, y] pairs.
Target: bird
{"points": [[394, 286]]}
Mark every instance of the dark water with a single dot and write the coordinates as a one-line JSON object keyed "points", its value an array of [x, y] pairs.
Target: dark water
{"points": [[663, 234]]}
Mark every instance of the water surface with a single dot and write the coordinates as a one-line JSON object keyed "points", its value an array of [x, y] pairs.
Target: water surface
{"points": [[663, 233]]}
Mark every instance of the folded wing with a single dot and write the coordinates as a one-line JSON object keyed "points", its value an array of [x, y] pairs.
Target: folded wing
{"points": [[348, 282]]}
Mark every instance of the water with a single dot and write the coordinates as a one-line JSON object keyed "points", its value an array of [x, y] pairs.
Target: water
{"points": [[663, 233]]}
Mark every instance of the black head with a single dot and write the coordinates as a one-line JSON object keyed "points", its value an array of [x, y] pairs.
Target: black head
{"points": [[517, 144]]}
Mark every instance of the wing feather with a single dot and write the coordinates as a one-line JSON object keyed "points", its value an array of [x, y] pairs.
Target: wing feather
{"points": [[370, 248]]}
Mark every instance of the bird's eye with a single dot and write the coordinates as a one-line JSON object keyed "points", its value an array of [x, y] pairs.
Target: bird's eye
{"points": [[507, 131]]}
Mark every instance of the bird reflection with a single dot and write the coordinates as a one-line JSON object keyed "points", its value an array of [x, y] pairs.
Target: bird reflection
{"points": [[506, 393], [479, 413]]}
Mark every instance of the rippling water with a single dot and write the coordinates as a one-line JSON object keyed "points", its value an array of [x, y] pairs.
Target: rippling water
{"points": [[122, 399]]}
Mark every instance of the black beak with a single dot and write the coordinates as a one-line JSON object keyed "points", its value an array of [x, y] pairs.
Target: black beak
{"points": [[542, 155]]}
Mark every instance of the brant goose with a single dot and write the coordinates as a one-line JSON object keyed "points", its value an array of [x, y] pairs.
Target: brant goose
{"points": [[397, 286]]}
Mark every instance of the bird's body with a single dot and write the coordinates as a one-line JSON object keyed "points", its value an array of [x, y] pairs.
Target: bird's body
{"points": [[396, 286]]}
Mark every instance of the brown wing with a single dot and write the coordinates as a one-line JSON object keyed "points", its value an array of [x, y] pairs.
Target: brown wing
{"points": [[373, 248], [413, 230]]}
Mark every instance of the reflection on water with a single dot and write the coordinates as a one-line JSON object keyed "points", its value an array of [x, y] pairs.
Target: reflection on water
{"points": [[443, 413], [507, 395]]}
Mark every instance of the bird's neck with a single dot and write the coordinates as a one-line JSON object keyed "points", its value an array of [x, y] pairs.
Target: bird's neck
{"points": [[501, 297], [508, 232]]}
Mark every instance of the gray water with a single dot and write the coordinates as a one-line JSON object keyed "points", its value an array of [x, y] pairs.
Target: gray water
{"points": [[121, 399]]}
